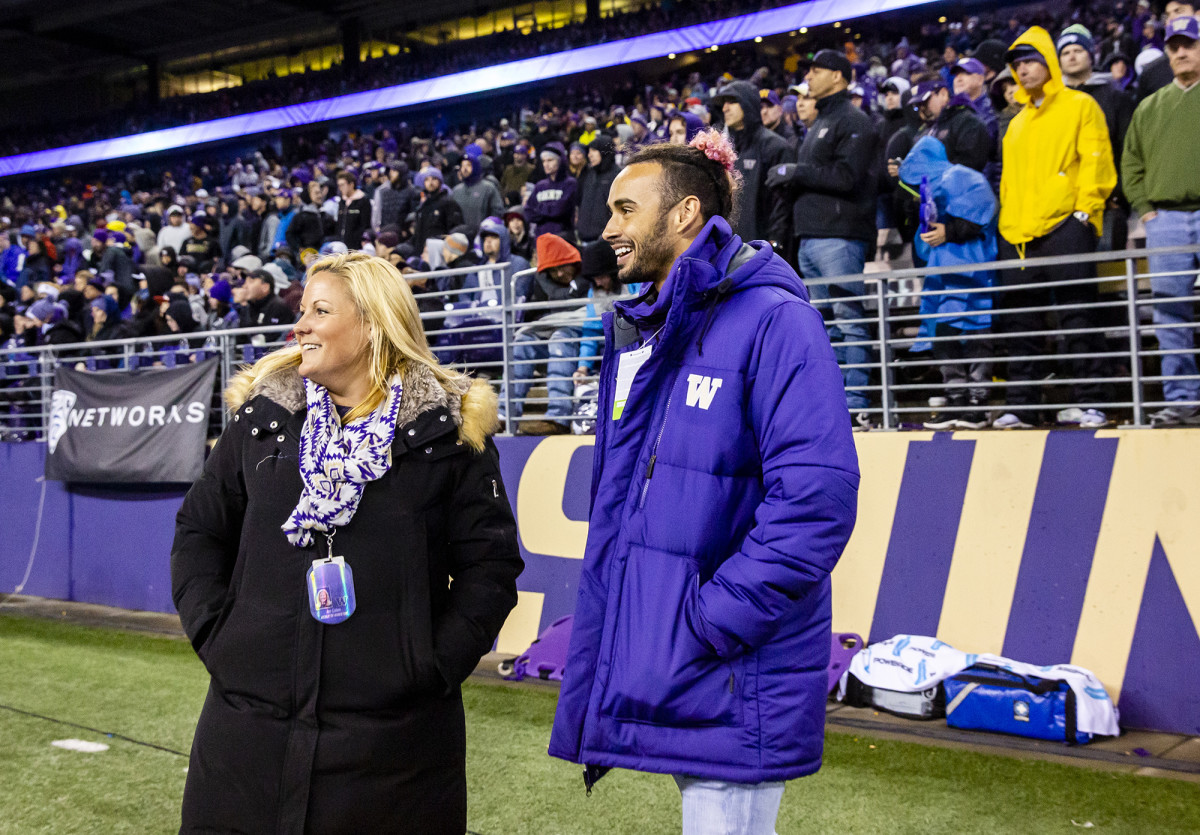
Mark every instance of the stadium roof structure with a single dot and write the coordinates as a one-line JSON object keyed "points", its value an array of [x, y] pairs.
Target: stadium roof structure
{"points": [[525, 71]]}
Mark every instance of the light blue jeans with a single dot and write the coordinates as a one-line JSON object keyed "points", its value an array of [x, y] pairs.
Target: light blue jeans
{"points": [[821, 257], [1175, 229], [715, 807], [561, 355]]}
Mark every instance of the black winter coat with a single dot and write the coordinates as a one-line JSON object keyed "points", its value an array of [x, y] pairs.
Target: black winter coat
{"points": [[835, 174], [762, 212], [353, 220], [594, 185], [436, 216], [967, 139], [354, 727], [307, 229]]}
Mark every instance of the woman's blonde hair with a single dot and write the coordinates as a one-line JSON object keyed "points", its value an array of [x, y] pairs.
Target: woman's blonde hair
{"points": [[397, 340]]}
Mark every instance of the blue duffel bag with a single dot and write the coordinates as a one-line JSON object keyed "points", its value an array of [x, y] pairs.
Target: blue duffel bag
{"points": [[988, 698]]}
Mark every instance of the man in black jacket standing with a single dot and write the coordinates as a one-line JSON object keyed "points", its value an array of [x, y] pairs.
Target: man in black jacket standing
{"points": [[952, 120], [762, 213], [594, 185], [354, 211], [439, 212], [834, 213]]}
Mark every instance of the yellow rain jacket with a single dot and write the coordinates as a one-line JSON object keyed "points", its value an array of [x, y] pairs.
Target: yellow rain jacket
{"points": [[1057, 157]]}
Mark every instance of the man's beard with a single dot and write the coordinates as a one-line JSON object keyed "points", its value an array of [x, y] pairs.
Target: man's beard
{"points": [[651, 258]]}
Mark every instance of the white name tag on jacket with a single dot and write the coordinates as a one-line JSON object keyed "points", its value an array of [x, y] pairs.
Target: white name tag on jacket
{"points": [[628, 368]]}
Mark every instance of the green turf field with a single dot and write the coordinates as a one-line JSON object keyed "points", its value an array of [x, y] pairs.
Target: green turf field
{"points": [[150, 689]]}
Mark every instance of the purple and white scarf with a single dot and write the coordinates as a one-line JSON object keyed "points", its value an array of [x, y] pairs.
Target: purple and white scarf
{"points": [[337, 461]]}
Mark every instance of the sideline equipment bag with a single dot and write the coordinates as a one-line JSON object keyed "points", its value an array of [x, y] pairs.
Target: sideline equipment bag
{"points": [[546, 656], [926, 704], [988, 698]]}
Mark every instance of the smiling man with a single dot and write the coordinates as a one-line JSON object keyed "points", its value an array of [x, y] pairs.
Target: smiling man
{"points": [[725, 489]]}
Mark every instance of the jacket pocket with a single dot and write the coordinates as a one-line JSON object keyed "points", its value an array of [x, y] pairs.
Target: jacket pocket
{"points": [[1058, 200], [660, 672]]}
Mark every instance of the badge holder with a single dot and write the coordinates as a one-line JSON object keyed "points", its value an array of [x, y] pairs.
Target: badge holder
{"points": [[330, 585]]}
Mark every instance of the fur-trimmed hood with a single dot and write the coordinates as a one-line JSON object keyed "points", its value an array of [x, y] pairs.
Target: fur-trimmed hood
{"points": [[474, 409]]}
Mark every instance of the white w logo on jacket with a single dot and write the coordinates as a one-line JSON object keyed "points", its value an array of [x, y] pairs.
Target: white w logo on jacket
{"points": [[701, 390]]}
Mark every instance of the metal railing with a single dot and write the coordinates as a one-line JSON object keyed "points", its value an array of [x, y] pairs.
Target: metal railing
{"points": [[487, 331], [1118, 319]]}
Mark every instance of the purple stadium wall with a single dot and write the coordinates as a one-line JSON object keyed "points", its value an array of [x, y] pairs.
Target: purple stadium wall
{"points": [[1047, 547]]}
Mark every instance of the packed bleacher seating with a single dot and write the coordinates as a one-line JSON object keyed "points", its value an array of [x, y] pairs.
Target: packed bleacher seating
{"points": [[918, 145]]}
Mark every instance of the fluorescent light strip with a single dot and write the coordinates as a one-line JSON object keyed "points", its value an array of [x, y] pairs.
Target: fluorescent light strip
{"points": [[526, 71]]}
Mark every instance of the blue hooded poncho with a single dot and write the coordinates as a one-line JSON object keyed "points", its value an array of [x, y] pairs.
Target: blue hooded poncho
{"points": [[964, 193]]}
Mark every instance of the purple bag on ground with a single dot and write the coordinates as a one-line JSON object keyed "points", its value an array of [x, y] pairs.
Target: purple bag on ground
{"points": [[546, 656], [843, 647]]}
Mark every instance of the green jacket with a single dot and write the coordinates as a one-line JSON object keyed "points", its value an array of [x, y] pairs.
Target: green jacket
{"points": [[1158, 167]]}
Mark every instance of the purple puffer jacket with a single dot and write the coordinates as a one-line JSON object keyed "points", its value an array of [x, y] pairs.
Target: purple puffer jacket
{"points": [[721, 500]]}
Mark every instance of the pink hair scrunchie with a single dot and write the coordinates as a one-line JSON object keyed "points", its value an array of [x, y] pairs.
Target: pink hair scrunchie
{"points": [[716, 146]]}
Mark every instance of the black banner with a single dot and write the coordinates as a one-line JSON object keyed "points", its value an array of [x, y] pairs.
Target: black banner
{"points": [[136, 426]]}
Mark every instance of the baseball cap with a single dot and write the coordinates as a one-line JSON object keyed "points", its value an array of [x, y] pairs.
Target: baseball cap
{"points": [[800, 89], [831, 59], [769, 97], [969, 65], [1184, 27], [925, 91], [175, 209]]}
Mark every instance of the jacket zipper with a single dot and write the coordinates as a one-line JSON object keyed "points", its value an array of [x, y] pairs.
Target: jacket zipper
{"points": [[654, 450]]}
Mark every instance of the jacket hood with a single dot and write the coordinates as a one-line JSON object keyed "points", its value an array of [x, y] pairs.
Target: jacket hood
{"points": [[927, 159], [693, 122], [1039, 39], [745, 94], [495, 226], [608, 152], [473, 405], [475, 154], [553, 251], [956, 189]]}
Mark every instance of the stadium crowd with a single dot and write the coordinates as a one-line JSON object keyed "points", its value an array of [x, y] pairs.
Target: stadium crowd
{"points": [[971, 141]]}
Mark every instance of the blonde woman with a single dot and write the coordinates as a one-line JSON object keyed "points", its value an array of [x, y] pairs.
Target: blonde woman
{"points": [[345, 559]]}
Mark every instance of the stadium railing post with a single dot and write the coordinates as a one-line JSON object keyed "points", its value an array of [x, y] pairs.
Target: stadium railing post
{"points": [[47, 363], [507, 290], [1135, 362], [885, 342], [226, 372]]}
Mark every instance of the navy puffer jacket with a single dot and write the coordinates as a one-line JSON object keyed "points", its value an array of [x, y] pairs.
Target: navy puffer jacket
{"points": [[721, 500]]}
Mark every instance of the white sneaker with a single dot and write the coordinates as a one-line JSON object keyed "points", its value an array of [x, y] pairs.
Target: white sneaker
{"points": [[1083, 418], [940, 422], [1176, 415], [972, 420], [1010, 421]]}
